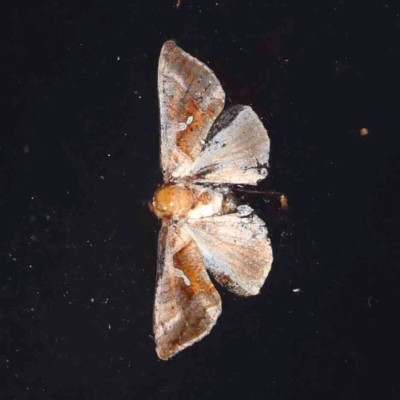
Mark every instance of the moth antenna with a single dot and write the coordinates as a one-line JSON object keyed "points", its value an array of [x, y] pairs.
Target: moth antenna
{"points": [[251, 191], [283, 200]]}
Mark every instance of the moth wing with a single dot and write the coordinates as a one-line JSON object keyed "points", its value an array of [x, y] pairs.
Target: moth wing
{"points": [[235, 249], [237, 149], [187, 305], [191, 98]]}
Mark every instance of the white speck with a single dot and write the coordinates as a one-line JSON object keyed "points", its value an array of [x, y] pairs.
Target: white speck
{"points": [[369, 301], [189, 120], [202, 141], [102, 177], [108, 155], [171, 204], [26, 149], [180, 274], [296, 290], [118, 58], [109, 326]]}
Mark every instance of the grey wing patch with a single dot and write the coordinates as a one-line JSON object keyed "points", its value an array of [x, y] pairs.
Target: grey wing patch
{"points": [[237, 150], [235, 249], [190, 99]]}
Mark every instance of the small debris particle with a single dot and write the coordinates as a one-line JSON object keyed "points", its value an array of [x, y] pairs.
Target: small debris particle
{"points": [[284, 202]]}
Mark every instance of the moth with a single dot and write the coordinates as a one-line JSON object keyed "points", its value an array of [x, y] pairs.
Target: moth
{"points": [[205, 151]]}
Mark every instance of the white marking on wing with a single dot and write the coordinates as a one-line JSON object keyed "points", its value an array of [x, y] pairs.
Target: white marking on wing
{"points": [[214, 207], [182, 126], [180, 274]]}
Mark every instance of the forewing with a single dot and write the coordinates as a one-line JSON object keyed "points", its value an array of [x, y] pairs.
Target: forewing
{"points": [[237, 149], [187, 304], [235, 249], [190, 98]]}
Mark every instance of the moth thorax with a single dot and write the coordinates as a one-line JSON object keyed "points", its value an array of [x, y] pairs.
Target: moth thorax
{"points": [[172, 201]]}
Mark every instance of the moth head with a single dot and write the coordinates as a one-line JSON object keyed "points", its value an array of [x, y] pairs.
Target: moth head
{"points": [[172, 201]]}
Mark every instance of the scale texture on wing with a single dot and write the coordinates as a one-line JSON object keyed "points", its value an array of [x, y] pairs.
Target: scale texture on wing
{"points": [[190, 98], [187, 304], [237, 149], [235, 249]]}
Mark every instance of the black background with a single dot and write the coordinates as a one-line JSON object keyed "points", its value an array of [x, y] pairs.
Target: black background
{"points": [[79, 160]]}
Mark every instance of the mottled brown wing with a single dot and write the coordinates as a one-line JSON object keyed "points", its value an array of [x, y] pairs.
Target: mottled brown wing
{"points": [[235, 249], [190, 98], [237, 149], [187, 304]]}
